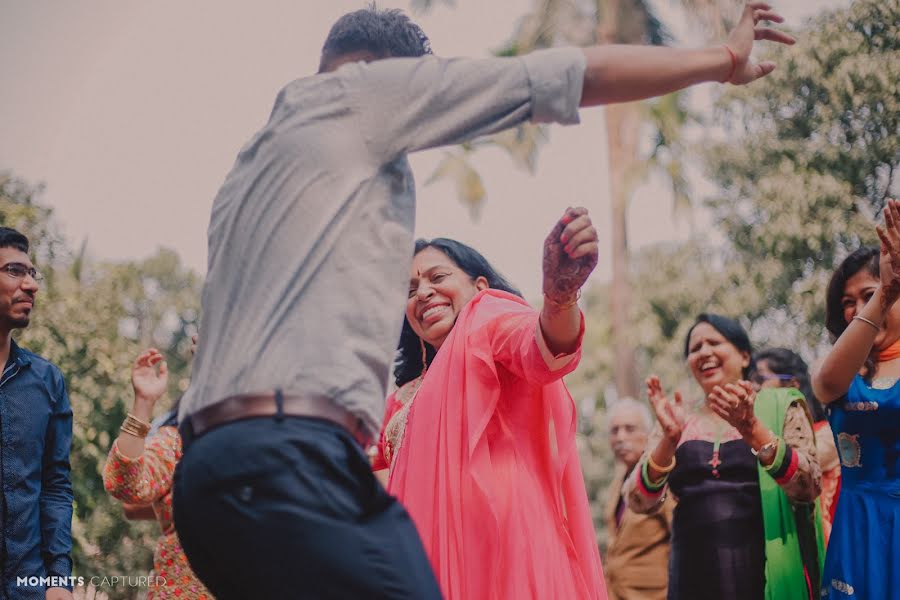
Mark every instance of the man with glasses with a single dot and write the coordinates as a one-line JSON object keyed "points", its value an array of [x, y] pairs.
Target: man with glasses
{"points": [[36, 434]]}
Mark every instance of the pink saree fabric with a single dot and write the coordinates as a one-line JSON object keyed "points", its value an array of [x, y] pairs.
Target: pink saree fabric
{"points": [[488, 468]]}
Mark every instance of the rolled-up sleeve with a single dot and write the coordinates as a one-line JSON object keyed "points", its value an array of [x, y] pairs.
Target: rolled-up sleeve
{"points": [[407, 104], [556, 77]]}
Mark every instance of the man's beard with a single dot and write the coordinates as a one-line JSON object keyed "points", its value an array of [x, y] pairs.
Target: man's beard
{"points": [[17, 322]]}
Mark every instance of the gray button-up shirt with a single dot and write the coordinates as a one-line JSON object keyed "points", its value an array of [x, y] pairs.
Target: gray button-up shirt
{"points": [[311, 235]]}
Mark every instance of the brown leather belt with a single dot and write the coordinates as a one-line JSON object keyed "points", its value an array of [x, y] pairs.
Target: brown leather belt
{"points": [[248, 406]]}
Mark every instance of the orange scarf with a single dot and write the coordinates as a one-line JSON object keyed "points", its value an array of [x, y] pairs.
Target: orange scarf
{"points": [[889, 353]]}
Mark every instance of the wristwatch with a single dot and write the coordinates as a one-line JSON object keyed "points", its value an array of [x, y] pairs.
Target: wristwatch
{"points": [[766, 451]]}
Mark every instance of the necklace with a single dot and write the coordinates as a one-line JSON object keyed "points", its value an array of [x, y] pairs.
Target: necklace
{"points": [[395, 430], [715, 462]]}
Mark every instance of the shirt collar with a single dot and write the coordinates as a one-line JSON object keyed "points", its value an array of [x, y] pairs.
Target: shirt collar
{"points": [[16, 355]]}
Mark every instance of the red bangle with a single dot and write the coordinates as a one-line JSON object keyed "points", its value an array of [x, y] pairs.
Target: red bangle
{"points": [[733, 63]]}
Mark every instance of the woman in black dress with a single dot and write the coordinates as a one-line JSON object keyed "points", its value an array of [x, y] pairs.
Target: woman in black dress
{"points": [[712, 458]]}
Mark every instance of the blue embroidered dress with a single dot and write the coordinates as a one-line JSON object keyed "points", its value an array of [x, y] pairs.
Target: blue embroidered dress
{"points": [[863, 558]]}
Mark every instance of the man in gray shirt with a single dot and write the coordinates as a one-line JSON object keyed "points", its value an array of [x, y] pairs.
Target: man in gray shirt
{"points": [[310, 243]]}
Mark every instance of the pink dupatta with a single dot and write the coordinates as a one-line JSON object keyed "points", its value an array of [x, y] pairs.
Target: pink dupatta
{"points": [[488, 467]]}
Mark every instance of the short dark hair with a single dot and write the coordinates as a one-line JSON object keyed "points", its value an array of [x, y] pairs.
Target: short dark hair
{"points": [[382, 33], [864, 258], [10, 238], [730, 329], [408, 364], [787, 362]]}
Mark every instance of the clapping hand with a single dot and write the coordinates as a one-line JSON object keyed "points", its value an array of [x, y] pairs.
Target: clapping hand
{"points": [[889, 262], [670, 415], [734, 402]]}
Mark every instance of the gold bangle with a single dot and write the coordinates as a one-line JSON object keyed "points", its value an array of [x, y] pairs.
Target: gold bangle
{"points": [[865, 320], [659, 469], [130, 430], [562, 305], [134, 426]]}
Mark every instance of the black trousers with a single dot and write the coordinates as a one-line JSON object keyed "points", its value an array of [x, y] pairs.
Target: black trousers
{"points": [[289, 508]]}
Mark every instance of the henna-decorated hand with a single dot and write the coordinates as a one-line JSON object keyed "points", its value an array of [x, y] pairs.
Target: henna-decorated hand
{"points": [[571, 252], [889, 262], [734, 403], [670, 415], [741, 39]]}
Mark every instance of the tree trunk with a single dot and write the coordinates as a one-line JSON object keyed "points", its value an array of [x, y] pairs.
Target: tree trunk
{"points": [[622, 130], [622, 127]]}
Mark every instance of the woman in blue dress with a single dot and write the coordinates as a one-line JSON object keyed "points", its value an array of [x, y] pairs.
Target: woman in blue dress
{"points": [[860, 382]]}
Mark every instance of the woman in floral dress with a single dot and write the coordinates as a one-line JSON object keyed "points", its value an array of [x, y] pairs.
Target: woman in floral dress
{"points": [[139, 471]]}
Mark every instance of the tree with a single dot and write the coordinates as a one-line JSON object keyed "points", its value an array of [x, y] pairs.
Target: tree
{"points": [[812, 152], [91, 319]]}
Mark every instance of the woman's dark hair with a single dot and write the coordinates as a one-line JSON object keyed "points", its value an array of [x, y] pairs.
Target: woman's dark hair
{"points": [[731, 330], [865, 258], [382, 33], [408, 364], [787, 362]]}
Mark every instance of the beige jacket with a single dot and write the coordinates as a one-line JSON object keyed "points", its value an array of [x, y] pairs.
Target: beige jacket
{"points": [[637, 556]]}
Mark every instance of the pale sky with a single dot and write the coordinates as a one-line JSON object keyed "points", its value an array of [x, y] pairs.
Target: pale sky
{"points": [[133, 112]]}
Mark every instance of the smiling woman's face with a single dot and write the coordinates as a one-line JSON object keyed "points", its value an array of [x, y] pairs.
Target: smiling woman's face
{"points": [[713, 359], [857, 292], [438, 291]]}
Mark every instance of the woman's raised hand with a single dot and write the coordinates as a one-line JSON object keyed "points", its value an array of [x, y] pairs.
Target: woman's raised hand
{"points": [[670, 414], [571, 252], [734, 402], [889, 262], [149, 377]]}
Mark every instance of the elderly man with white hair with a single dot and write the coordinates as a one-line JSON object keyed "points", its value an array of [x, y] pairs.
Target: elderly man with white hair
{"points": [[637, 554]]}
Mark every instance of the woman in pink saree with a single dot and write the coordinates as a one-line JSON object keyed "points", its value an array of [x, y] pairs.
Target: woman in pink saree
{"points": [[480, 436]]}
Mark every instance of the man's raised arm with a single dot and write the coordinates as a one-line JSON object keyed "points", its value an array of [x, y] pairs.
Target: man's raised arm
{"points": [[618, 73]]}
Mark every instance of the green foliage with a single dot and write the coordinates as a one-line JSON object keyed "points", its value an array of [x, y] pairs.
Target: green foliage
{"points": [[91, 319], [811, 156]]}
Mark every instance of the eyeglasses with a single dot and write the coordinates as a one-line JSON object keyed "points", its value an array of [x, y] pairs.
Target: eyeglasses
{"points": [[760, 378], [18, 271]]}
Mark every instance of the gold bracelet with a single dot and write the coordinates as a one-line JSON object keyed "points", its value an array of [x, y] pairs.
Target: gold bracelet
{"points": [[562, 305], [130, 430], [659, 469], [134, 426], [865, 320]]}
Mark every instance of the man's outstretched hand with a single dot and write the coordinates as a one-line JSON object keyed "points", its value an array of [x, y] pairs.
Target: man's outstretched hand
{"points": [[745, 33]]}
